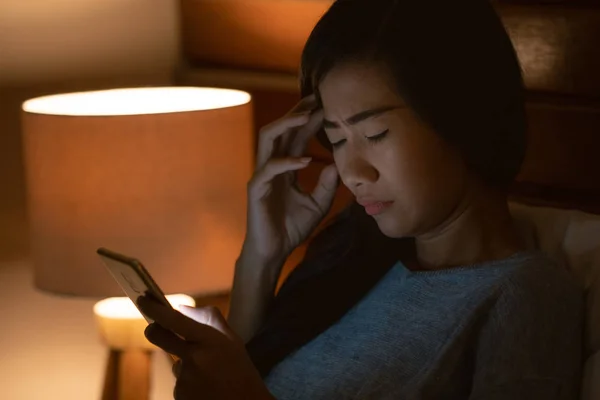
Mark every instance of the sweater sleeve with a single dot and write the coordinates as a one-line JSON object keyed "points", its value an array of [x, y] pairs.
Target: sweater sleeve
{"points": [[530, 344]]}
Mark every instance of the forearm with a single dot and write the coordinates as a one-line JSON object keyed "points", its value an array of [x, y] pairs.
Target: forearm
{"points": [[253, 289]]}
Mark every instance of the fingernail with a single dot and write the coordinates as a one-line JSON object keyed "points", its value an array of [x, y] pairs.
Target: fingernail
{"points": [[306, 160]]}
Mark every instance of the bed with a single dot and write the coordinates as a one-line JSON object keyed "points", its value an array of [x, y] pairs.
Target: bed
{"points": [[255, 45]]}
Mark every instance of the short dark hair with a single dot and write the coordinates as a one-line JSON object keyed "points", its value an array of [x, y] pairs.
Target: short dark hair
{"points": [[454, 65]]}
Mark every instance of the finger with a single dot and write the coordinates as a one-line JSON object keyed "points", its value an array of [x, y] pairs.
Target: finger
{"points": [[300, 140], [286, 140], [269, 134], [209, 316], [307, 103], [260, 184], [175, 321], [326, 188], [166, 340], [280, 144]]}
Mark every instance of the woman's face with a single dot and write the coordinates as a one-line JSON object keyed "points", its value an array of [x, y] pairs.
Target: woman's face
{"points": [[405, 175]]}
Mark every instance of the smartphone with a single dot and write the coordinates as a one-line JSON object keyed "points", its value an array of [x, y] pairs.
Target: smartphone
{"points": [[133, 278]]}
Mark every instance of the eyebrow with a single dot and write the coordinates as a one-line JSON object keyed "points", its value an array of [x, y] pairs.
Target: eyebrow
{"points": [[361, 116]]}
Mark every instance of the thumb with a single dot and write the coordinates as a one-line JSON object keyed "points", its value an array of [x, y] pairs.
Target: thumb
{"points": [[210, 316], [326, 188]]}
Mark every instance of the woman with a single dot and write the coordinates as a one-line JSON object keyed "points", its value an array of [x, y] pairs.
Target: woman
{"points": [[422, 288]]}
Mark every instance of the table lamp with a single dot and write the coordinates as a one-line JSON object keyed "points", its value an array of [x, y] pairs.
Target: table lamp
{"points": [[158, 174], [121, 328]]}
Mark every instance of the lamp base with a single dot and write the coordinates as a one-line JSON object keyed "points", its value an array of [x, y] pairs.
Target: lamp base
{"points": [[127, 375]]}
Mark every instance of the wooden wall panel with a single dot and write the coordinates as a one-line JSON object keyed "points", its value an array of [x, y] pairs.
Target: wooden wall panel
{"points": [[557, 47], [249, 34], [557, 43]]}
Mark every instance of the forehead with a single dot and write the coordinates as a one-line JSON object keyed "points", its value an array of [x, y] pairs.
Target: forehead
{"points": [[351, 88]]}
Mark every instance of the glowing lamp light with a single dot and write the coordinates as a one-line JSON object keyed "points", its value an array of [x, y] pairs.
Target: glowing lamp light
{"points": [[122, 326], [140, 101]]}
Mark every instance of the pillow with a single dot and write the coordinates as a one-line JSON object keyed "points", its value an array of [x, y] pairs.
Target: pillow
{"points": [[574, 238]]}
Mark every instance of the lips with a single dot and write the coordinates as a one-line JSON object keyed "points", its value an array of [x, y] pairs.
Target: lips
{"points": [[374, 207]]}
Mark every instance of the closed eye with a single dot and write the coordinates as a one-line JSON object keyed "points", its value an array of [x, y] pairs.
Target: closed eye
{"points": [[338, 144], [374, 139], [378, 137]]}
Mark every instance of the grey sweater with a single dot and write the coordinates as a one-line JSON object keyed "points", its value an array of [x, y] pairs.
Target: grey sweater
{"points": [[509, 329]]}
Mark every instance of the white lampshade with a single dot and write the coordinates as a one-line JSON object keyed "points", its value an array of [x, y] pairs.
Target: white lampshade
{"points": [[122, 326], [158, 174]]}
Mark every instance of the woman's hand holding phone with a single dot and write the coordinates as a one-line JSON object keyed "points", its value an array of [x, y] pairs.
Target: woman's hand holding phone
{"points": [[213, 363], [280, 215]]}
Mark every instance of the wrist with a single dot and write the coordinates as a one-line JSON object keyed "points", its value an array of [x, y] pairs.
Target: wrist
{"points": [[259, 269]]}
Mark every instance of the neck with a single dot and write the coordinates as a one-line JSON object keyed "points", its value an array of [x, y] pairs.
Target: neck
{"points": [[479, 229]]}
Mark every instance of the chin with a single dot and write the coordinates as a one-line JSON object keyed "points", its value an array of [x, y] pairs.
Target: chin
{"points": [[390, 227]]}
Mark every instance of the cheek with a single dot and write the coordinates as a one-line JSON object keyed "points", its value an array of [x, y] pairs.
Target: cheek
{"points": [[346, 160], [403, 165], [426, 181], [422, 166]]}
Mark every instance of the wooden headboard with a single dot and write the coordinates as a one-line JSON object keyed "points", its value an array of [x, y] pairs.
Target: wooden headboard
{"points": [[255, 45]]}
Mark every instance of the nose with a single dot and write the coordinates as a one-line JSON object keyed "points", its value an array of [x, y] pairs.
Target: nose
{"points": [[355, 170]]}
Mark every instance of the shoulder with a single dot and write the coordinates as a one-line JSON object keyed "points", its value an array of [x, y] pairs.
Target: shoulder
{"points": [[532, 336], [541, 280], [538, 301]]}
